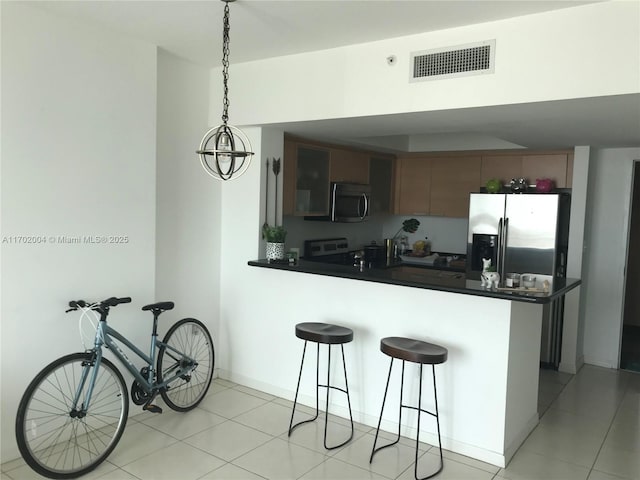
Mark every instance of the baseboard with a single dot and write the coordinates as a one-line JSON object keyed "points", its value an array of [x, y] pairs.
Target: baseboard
{"points": [[599, 363], [512, 448]]}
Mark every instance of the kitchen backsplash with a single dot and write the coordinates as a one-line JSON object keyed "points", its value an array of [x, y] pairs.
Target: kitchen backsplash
{"points": [[358, 234], [446, 234]]}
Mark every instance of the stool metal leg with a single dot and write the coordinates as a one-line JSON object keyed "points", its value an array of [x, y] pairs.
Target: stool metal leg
{"points": [[374, 450], [437, 415], [328, 387], [420, 410], [295, 400]]}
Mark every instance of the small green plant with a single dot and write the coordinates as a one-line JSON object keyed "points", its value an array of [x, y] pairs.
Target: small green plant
{"points": [[274, 233], [410, 226]]}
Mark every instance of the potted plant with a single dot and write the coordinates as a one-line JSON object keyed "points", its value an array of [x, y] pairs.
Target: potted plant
{"points": [[275, 236], [410, 226]]}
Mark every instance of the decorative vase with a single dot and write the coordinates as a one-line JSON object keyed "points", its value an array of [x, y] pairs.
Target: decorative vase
{"points": [[518, 185], [275, 251], [544, 185]]}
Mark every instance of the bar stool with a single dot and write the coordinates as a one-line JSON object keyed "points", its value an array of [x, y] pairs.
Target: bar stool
{"points": [[423, 353], [328, 334]]}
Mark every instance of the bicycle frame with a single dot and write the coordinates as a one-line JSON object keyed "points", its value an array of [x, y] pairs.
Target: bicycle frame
{"points": [[104, 334]]}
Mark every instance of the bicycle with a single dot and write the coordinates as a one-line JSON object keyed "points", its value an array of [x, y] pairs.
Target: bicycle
{"points": [[74, 412]]}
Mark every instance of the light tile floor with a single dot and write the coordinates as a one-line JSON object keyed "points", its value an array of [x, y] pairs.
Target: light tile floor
{"points": [[589, 429]]}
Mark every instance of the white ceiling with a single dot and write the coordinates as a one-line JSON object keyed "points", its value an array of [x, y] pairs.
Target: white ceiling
{"points": [[267, 28]]}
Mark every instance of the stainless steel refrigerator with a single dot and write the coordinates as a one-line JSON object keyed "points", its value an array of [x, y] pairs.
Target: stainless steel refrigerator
{"points": [[523, 233]]}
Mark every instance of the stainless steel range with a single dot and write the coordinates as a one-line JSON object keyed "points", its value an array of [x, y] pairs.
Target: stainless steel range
{"points": [[337, 251], [329, 250]]}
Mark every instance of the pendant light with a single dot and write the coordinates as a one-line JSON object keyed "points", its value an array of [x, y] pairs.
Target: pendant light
{"points": [[225, 151]]}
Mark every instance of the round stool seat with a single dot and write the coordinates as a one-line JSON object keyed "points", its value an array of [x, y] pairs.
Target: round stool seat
{"points": [[323, 333], [413, 350]]}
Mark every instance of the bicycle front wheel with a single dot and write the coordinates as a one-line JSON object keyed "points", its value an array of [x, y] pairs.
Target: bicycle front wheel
{"points": [[61, 440], [187, 348]]}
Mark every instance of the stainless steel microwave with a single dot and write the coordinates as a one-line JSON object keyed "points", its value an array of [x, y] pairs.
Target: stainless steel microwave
{"points": [[349, 202]]}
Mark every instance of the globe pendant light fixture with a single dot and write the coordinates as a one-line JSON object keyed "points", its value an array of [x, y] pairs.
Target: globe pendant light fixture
{"points": [[225, 151]]}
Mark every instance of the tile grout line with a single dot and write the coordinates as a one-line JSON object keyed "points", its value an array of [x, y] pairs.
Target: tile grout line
{"points": [[604, 438]]}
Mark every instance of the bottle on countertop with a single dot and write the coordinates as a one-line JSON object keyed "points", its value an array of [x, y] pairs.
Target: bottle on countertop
{"points": [[427, 246], [403, 246]]}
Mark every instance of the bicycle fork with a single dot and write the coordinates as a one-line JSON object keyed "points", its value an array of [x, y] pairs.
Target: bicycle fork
{"points": [[94, 362]]}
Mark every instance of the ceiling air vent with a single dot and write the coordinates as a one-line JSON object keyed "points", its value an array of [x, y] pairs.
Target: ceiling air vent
{"points": [[472, 59]]}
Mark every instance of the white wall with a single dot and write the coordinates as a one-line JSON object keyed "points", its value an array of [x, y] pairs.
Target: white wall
{"points": [[78, 158], [606, 237], [188, 200], [549, 56], [574, 307], [241, 221]]}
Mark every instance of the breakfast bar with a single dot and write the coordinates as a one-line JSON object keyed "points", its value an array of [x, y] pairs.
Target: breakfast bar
{"points": [[488, 388], [408, 275]]}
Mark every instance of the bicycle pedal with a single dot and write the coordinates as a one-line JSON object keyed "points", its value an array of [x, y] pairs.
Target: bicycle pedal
{"points": [[152, 408]]}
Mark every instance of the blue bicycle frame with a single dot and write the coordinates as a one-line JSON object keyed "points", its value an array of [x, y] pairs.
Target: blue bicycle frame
{"points": [[183, 363]]}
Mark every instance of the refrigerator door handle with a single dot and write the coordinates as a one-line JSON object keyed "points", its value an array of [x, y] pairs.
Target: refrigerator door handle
{"points": [[499, 249], [503, 253]]}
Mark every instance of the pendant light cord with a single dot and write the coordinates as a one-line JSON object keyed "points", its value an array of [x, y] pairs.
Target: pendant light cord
{"points": [[225, 64]]}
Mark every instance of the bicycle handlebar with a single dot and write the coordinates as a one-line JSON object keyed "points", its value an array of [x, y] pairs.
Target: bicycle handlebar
{"points": [[109, 302], [113, 301]]}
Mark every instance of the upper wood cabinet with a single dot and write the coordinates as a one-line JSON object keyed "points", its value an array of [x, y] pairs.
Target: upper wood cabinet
{"points": [[305, 179], [501, 167], [309, 168], [531, 166], [545, 166], [452, 180], [349, 166], [438, 186], [413, 186], [381, 179], [289, 177]]}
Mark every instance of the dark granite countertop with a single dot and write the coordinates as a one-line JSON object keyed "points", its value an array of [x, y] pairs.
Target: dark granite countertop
{"points": [[420, 277]]}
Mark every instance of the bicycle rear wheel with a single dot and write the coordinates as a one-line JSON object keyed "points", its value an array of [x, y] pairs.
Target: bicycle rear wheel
{"points": [[60, 441], [188, 338]]}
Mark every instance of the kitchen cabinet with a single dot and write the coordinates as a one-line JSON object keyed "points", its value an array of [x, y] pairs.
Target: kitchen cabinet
{"points": [[288, 177], [413, 186], [502, 167], [556, 166], [311, 187], [452, 180], [381, 179], [438, 186], [349, 166], [545, 166], [309, 168], [569, 170], [428, 276]]}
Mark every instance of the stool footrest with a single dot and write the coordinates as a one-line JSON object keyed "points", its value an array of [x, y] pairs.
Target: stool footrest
{"points": [[420, 409], [334, 388]]}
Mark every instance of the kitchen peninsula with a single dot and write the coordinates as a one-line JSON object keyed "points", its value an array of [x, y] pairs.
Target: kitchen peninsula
{"points": [[488, 388]]}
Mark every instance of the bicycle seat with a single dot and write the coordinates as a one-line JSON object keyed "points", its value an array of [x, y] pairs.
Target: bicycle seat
{"points": [[162, 306]]}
